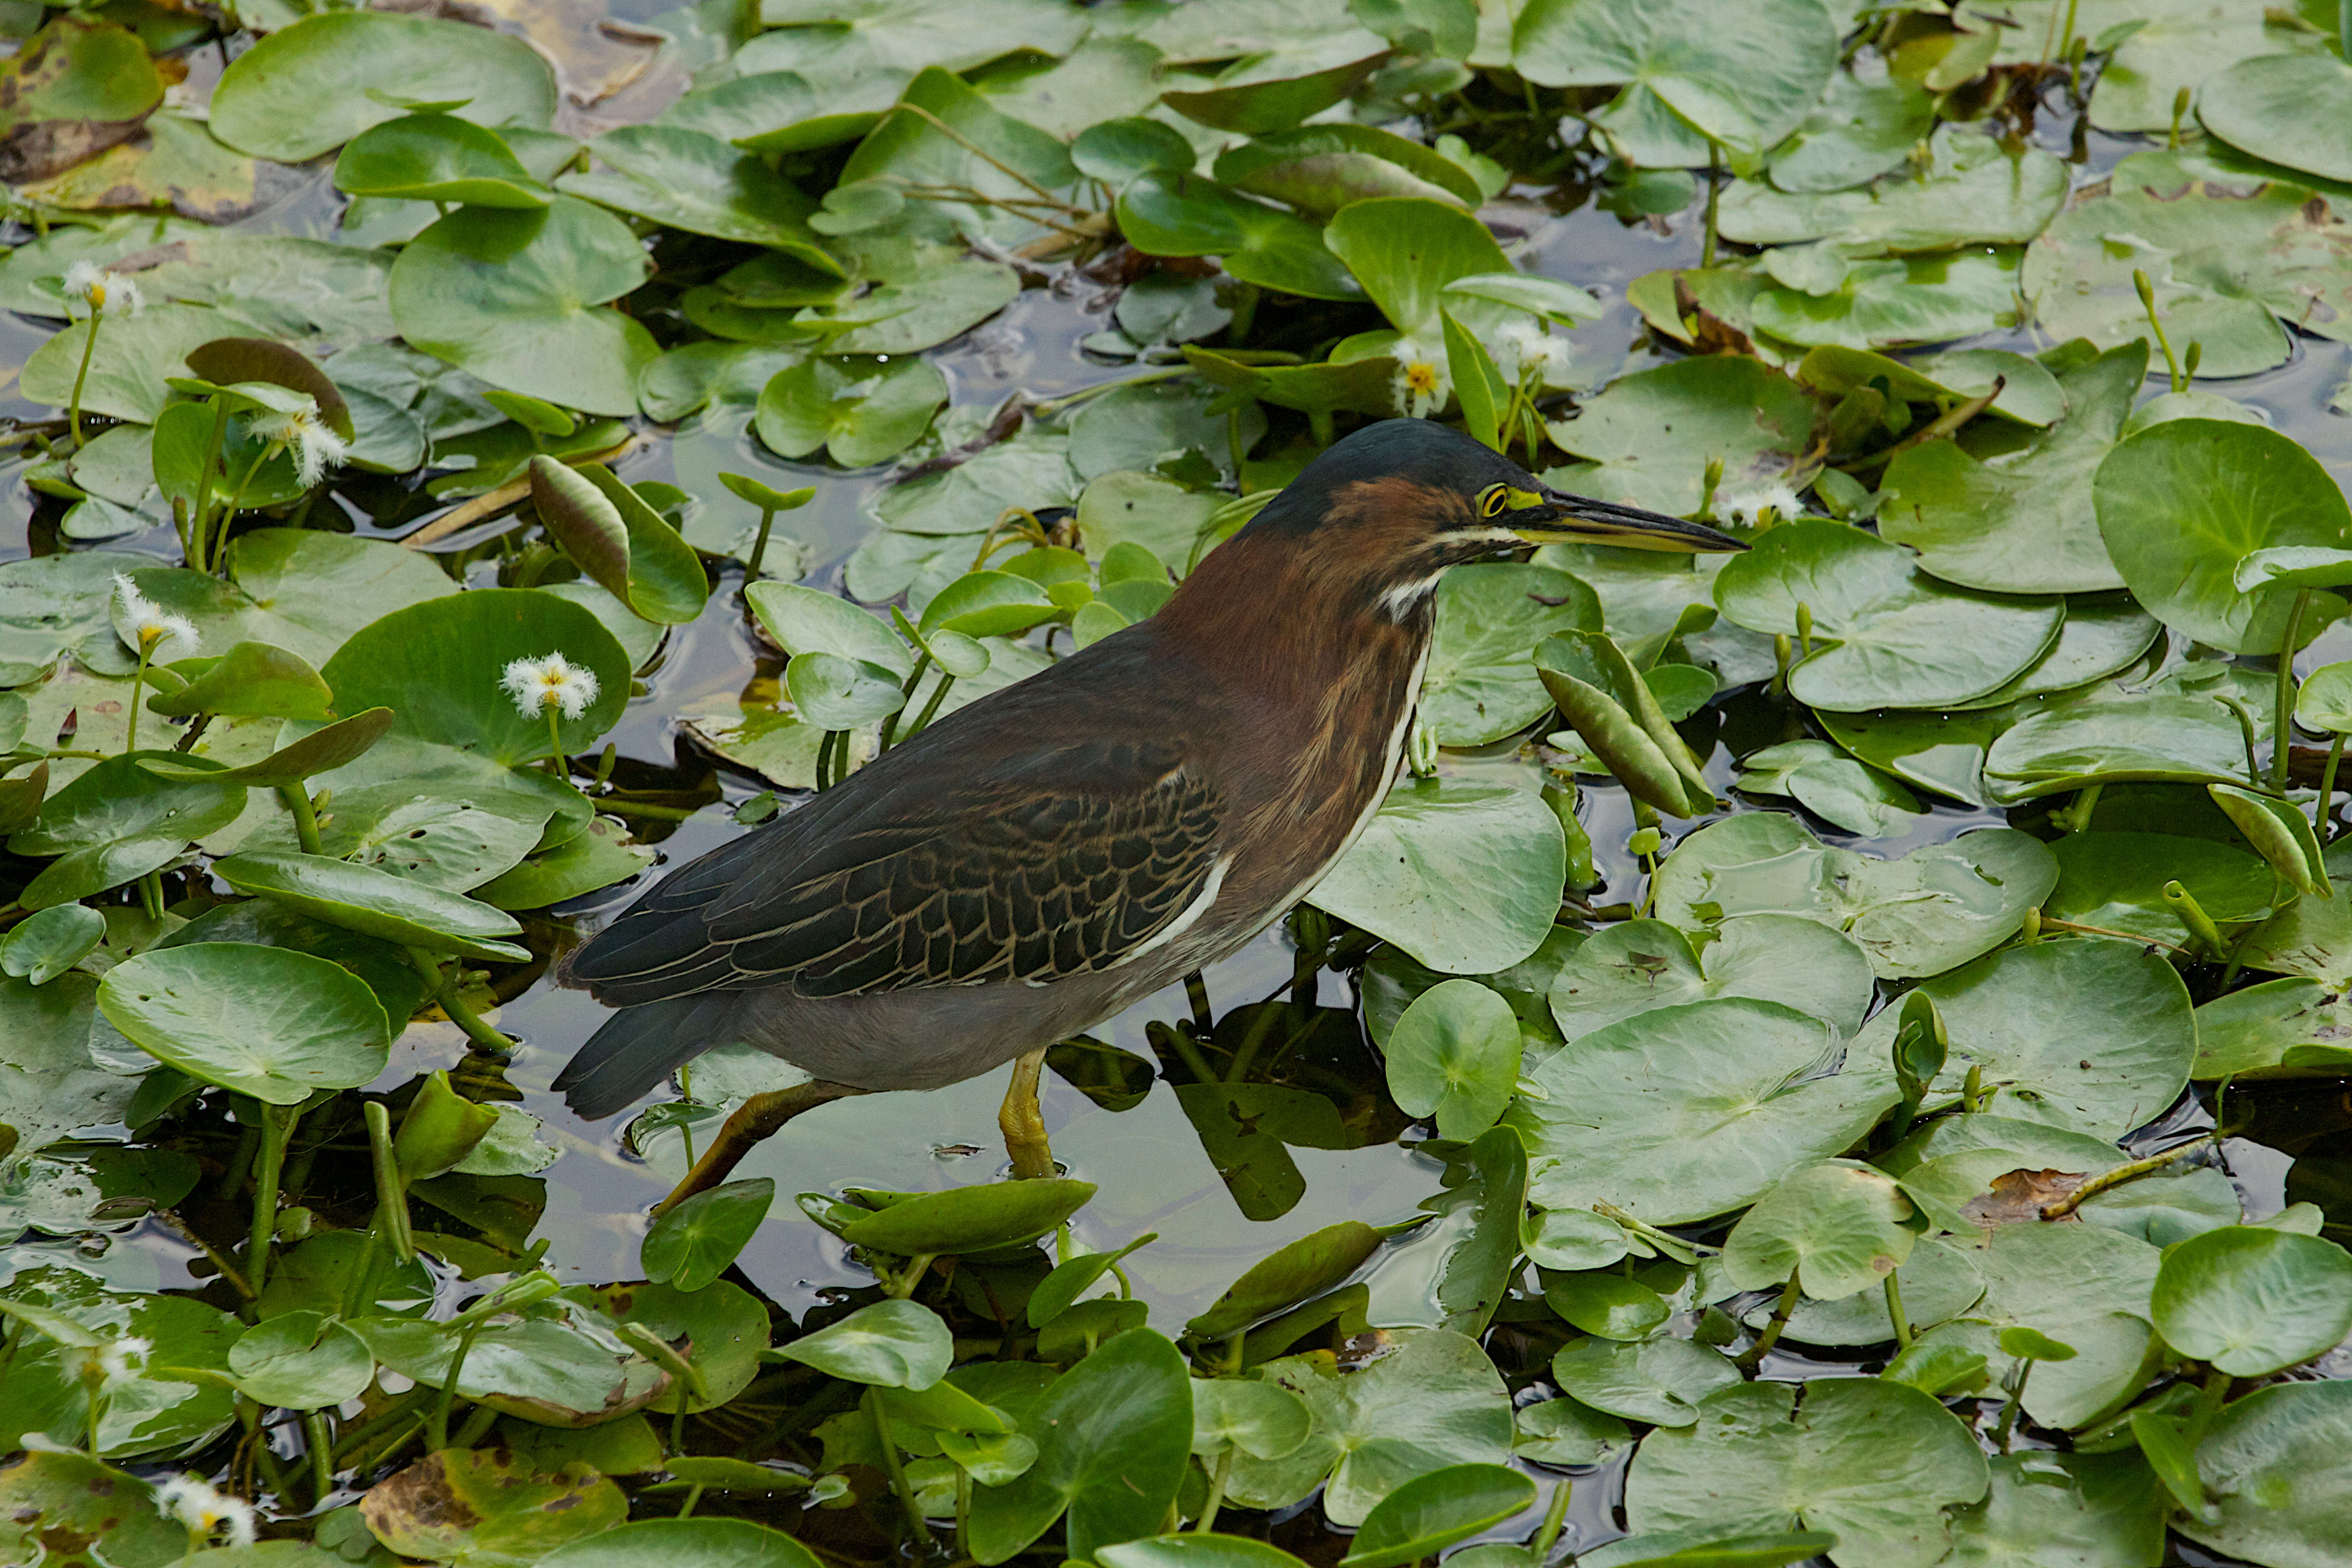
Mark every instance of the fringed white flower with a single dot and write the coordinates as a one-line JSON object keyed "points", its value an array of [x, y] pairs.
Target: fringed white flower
{"points": [[112, 1362], [146, 629], [1750, 506], [305, 433], [536, 684], [90, 285], [1424, 382], [203, 1511], [1528, 346]]}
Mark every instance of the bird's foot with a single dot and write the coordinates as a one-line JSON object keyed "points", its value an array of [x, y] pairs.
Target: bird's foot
{"points": [[756, 1119], [1024, 1123]]}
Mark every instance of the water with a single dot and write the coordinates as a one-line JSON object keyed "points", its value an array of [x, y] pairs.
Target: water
{"points": [[1149, 1162]]}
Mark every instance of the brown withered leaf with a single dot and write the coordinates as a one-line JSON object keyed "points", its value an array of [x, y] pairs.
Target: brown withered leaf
{"points": [[2017, 1197], [486, 1509]]}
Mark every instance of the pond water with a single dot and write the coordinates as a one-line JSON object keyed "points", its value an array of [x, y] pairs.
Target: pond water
{"points": [[2292, 1141]]}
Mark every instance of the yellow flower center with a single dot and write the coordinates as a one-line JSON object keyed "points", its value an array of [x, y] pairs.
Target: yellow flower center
{"points": [[1422, 377]]}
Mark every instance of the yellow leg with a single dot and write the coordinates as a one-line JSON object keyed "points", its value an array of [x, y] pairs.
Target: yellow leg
{"points": [[1024, 1124], [754, 1120]]}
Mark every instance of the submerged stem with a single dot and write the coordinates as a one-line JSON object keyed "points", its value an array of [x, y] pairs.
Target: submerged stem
{"points": [[89, 347], [276, 1134], [2283, 733]]}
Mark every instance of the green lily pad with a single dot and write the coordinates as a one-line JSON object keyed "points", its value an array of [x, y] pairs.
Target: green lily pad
{"points": [[1970, 190], [1931, 910], [1837, 1227], [861, 412], [1723, 408], [152, 1412], [1887, 635], [1832, 785], [1318, 169], [1292, 1273], [1465, 878], [2310, 937], [1744, 81], [2182, 503], [457, 649], [1637, 966], [2023, 522], [690, 1245], [300, 1360], [685, 1543], [2275, 1505], [263, 1021], [693, 181], [1480, 684], [2250, 1302], [1662, 1379], [1870, 304], [1177, 214], [2281, 1028], [890, 1344], [71, 1511], [1877, 1464], [2110, 735], [1455, 1055], [1662, 1115], [1435, 1401], [52, 942], [128, 368], [723, 1328], [376, 903], [2116, 880], [1859, 130], [310, 88], [597, 857], [482, 1509], [2286, 108], [518, 299], [1433, 1511], [298, 589], [436, 157]]}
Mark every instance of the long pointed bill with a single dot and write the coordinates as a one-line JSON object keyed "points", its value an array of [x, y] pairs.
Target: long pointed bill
{"points": [[1565, 519]]}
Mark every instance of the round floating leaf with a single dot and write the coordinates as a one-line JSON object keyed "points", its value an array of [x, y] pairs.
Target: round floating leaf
{"points": [[300, 1360], [724, 1329], [303, 590], [893, 1344], [517, 298], [1406, 249], [1858, 130], [1255, 107], [1455, 1055], [1872, 1462], [1191, 1551], [1465, 878], [1687, 1113], [376, 903], [252, 680], [598, 856], [436, 158], [1934, 909], [2116, 880], [310, 88], [1639, 965], [1263, 1420], [1886, 635], [2112, 736], [153, 1411], [1838, 1228], [1185, 214], [1318, 169], [1969, 190], [862, 412], [1431, 1512], [808, 620], [1832, 785], [685, 1543], [1288, 1275], [51, 941], [989, 604], [619, 540], [1608, 1305], [487, 1507], [835, 693], [693, 181], [1480, 684], [1116, 151], [2278, 1501], [2088, 1032], [1743, 74], [2290, 108], [2182, 503], [1565, 1432], [1661, 1381], [1730, 409], [969, 1219], [2281, 1028], [691, 1245], [264, 1021], [2248, 1301], [438, 666], [108, 1514]]}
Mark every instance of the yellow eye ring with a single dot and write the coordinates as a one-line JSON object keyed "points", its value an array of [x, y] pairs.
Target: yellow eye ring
{"points": [[1493, 500]]}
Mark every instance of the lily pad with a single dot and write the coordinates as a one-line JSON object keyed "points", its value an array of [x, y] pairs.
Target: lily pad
{"points": [[1745, 78], [376, 903], [300, 1360], [310, 88], [1931, 910], [2249, 1301], [2274, 1504], [890, 1344], [2286, 108], [1480, 684], [685, 1543], [1730, 409], [1638, 966], [2280, 1028], [1662, 1379], [693, 181], [1887, 633], [482, 1509], [1832, 785], [1455, 1055], [1187, 214], [264, 1021], [1859, 130], [1969, 190], [1465, 878], [1683, 1113], [2116, 880], [436, 157], [861, 412]]}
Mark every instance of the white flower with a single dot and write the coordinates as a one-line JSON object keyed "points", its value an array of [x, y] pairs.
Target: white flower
{"points": [[1529, 345], [534, 683], [313, 442], [1422, 381], [1748, 506], [201, 1510], [116, 1360], [147, 627], [98, 289]]}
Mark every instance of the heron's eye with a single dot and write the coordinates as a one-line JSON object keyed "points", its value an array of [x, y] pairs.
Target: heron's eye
{"points": [[1493, 500]]}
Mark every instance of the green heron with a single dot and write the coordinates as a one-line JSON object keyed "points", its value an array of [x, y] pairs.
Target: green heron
{"points": [[1032, 864]]}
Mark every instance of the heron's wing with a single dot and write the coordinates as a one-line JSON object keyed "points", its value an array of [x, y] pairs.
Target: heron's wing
{"points": [[1060, 861]]}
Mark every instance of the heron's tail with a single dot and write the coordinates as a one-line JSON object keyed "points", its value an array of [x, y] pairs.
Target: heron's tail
{"points": [[638, 1047]]}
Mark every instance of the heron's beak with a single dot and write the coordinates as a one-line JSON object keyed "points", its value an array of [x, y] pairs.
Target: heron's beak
{"points": [[1555, 517]]}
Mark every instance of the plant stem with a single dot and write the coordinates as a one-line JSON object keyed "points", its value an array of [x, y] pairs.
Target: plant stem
{"points": [[2148, 303], [444, 981], [751, 567], [439, 1424], [2325, 810], [893, 1467], [1217, 1480], [693, 1496], [89, 347], [2282, 731], [391, 1196], [1714, 189], [2016, 1400], [1895, 1313], [939, 695], [1555, 1517], [138, 691], [907, 692], [2118, 1177], [297, 796], [201, 511], [1753, 1356], [321, 1447], [276, 1134], [236, 499], [557, 762]]}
